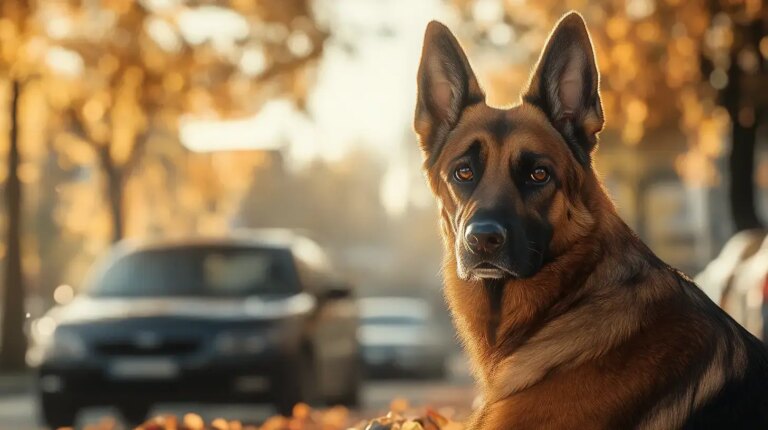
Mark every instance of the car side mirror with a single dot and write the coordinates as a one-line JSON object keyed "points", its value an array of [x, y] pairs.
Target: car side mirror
{"points": [[337, 291]]}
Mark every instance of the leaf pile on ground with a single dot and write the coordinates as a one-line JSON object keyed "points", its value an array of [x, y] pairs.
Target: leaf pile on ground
{"points": [[400, 417]]}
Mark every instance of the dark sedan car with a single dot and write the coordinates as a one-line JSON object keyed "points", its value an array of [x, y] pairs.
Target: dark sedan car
{"points": [[234, 320]]}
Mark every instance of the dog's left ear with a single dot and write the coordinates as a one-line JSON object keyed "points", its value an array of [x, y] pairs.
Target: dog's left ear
{"points": [[565, 85]]}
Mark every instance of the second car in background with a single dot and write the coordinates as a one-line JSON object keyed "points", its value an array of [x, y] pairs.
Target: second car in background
{"points": [[400, 338]]}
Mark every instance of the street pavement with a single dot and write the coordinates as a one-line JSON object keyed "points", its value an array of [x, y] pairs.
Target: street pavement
{"points": [[17, 411], [455, 394]]}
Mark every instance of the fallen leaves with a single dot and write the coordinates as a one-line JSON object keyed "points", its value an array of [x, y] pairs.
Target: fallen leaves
{"points": [[400, 417], [393, 421]]}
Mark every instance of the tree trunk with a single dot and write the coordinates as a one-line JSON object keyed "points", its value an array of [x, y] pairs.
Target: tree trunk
{"points": [[739, 100], [13, 344], [116, 205], [53, 248], [742, 168], [114, 191]]}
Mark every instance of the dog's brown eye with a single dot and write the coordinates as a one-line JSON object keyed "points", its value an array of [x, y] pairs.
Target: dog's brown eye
{"points": [[539, 175], [464, 173]]}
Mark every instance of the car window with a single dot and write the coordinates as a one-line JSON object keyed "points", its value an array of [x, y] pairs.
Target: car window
{"points": [[219, 271], [238, 273]]}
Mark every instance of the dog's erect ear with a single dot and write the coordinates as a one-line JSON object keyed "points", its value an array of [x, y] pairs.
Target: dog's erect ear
{"points": [[565, 86], [446, 85]]}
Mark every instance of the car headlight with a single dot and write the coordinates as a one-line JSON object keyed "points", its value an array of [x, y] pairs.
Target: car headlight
{"points": [[244, 342], [48, 341], [64, 345]]}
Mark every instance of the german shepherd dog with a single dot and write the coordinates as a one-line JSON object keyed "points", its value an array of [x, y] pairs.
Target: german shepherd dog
{"points": [[569, 320]]}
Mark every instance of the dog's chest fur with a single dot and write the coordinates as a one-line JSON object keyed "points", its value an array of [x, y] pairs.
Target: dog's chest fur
{"points": [[622, 343]]}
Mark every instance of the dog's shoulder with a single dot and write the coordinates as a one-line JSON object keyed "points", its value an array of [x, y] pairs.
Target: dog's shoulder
{"points": [[742, 401]]}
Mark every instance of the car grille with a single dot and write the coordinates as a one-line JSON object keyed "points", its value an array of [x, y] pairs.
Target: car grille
{"points": [[133, 348]]}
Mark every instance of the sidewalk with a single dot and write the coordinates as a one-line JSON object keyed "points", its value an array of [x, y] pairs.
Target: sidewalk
{"points": [[15, 383]]}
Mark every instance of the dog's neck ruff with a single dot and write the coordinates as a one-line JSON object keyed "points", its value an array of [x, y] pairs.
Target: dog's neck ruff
{"points": [[518, 330]]}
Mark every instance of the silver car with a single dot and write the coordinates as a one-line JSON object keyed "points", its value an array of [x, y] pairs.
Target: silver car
{"points": [[399, 337]]}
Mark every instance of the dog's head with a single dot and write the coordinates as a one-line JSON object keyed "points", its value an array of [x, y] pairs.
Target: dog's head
{"points": [[508, 181]]}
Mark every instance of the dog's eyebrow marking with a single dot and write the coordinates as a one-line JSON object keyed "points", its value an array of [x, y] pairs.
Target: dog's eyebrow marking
{"points": [[473, 151], [528, 158], [473, 148]]}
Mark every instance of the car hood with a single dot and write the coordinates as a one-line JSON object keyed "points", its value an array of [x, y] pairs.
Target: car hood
{"points": [[89, 309], [389, 335]]}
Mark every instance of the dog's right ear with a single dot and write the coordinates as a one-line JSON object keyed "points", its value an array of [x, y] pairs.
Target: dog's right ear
{"points": [[446, 85]]}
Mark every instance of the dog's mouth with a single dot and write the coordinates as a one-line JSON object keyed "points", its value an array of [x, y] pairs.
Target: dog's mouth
{"points": [[488, 270]]}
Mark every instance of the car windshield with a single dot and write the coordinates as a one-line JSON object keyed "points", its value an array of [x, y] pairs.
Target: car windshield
{"points": [[220, 271]]}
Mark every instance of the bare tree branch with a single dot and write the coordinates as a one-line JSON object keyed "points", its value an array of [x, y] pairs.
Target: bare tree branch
{"points": [[76, 127], [137, 152]]}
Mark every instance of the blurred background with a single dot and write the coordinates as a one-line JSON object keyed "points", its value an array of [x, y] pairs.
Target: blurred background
{"points": [[156, 121]]}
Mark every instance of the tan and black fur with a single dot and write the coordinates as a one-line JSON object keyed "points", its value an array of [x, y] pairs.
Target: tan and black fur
{"points": [[570, 321]]}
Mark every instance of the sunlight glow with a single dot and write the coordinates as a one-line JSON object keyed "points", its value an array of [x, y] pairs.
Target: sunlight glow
{"points": [[64, 61], [215, 24], [364, 95], [63, 294], [163, 34], [275, 126]]}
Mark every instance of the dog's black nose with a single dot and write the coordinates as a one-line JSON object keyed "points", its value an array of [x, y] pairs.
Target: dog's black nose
{"points": [[484, 238]]}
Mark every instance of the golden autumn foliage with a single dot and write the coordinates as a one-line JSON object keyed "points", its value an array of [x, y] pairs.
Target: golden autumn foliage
{"points": [[119, 77], [662, 62], [103, 87]]}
